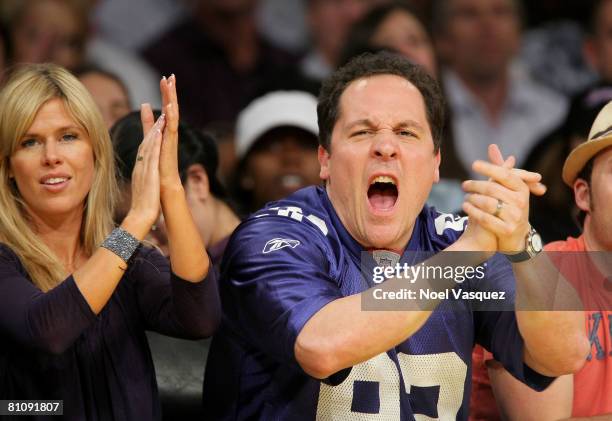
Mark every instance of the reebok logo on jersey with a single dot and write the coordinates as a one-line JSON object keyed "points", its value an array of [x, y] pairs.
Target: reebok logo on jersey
{"points": [[279, 243]]}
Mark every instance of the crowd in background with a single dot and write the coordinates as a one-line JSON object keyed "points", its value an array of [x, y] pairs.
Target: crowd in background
{"points": [[513, 72], [529, 76]]}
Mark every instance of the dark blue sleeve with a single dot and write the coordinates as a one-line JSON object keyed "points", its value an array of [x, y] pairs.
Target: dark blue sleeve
{"points": [[171, 305], [498, 331], [48, 321], [276, 277]]}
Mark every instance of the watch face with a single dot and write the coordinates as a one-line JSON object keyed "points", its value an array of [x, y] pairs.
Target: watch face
{"points": [[536, 242]]}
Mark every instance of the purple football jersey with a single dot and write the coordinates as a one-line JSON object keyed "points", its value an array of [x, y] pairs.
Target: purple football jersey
{"points": [[287, 261]]}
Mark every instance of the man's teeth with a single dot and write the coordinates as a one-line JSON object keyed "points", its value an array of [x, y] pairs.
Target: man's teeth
{"points": [[383, 179], [55, 180]]}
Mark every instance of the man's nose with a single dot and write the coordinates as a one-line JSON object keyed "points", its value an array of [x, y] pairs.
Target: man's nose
{"points": [[385, 145]]}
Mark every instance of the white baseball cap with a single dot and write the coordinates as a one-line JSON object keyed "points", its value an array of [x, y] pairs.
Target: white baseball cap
{"points": [[275, 109]]}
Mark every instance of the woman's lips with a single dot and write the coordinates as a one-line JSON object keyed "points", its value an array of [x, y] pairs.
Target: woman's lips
{"points": [[55, 184]]}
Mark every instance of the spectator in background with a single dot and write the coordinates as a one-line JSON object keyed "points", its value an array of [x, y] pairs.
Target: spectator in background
{"points": [[395, 27], [329, 23], [276, 144], [108, 91], [58, 31], [223, 133], [553, 55], [283, 22], [133, 24], [554, 213], [491, 101], [47, 31], [552, 44], [198, 163], [598, 44], [220, 56], [180, 379]]}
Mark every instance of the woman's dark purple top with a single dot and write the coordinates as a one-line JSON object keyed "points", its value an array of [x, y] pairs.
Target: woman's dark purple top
{"points": [[52, 346]]}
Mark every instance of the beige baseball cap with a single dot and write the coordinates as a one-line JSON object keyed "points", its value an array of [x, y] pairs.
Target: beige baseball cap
{"points": [[600, 137]]}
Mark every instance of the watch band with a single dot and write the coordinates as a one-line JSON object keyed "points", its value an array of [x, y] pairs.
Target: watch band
{"points": [[533, 246], [519, 257]]}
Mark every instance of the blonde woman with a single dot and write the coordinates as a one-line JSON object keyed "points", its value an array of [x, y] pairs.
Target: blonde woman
{"points": [[76, 293]]}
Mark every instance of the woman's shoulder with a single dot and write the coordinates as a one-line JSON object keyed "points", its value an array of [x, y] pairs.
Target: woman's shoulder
{"points": [[10, 261], [8, 256]]}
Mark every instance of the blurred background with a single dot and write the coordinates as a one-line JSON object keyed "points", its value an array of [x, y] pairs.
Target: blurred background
{"points": [[528, 75], [512, 70]]}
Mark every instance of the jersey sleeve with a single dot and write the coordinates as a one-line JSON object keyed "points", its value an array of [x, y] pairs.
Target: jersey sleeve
{"points": [[498, 331], [275, 278]]}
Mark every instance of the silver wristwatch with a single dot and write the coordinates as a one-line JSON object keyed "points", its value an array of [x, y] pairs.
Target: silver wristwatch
{"points": [[533, 246]]}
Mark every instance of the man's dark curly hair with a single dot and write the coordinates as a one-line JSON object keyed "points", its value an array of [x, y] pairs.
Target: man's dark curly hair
{"points": [[383, 63]]}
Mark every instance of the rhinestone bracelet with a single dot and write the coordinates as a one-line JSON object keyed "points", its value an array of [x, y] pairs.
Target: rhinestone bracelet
{"points": [[122, 243]]}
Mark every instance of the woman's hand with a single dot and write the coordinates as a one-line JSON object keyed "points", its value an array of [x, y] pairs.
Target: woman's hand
{"points": [[188, 257], [168, 164], [144, 209]]}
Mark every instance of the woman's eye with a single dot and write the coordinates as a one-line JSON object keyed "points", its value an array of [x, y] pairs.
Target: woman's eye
{"points": [[69, 137], [28, 143]]}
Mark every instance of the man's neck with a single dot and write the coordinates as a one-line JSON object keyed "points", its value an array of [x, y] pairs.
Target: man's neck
{"points": [[591, 242]]}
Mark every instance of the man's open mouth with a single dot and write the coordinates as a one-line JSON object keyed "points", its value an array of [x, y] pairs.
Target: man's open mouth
{"points": [[382, 193]]}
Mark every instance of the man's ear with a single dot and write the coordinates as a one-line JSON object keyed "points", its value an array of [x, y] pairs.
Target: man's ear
{"points": [[582, 195], [323, 156], [438, 160], [197, 182]]}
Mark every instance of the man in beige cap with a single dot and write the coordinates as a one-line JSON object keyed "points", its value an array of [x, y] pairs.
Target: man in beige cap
{"points": [[588, 171]]}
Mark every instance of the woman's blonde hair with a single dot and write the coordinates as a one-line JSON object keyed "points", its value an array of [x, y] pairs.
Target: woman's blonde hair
{"points": [[24, 93]]}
